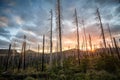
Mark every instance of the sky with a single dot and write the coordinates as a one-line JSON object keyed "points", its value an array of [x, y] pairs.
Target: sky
{"points": [[32, 18]]}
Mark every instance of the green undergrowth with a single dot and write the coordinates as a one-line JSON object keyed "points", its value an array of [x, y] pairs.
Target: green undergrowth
{"points": [[92, 68]]}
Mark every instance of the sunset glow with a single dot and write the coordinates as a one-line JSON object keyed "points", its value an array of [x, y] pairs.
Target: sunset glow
{"points": [[31, 18]]}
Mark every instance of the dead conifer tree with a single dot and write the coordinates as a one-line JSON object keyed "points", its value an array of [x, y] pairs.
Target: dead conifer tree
{"points": [[43, 54], [90, 42], [20, 61], [83, 46], [84, 31], [13, 55], [56, 56], [59, 31], [24, 51], [101, 27], [37, 57], [51, 39], [83, 42], [8, 57], [110, 34], [116, 48], [111, 50], [78, 49], [22, 55]]}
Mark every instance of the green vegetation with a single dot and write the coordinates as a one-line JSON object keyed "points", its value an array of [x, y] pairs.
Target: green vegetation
{"points": [[90, 68]]}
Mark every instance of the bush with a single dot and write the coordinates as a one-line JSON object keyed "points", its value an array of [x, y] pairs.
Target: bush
{"points": [[84, 65], [106, 63], [101, 75]]}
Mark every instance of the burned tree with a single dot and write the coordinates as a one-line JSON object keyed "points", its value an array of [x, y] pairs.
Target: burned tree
{"points": [[84, 31], [22, 55], [14, 59], [8, 57], [59, 31], [20, 61], [90, 42], [51, 39], [116, 48], [37, 57], [23, 51], [43, 54], [110, 34], [78, 48], [101, 27]]}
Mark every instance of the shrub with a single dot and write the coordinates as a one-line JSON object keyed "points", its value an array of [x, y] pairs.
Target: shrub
{"points": [[84, 65], [101, 75], [106, 63]]}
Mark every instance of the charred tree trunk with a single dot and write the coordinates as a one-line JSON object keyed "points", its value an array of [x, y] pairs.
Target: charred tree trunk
{"points": [[24, 55], [60, 35], [37, 57], [84, 31], [78, 48], [8, 56], [110, 35], [116, 48], [102, 30], [51, 39], [90, 42], [43, 54], [83, 46], [111, 50], [57, 57], [20, 61], [14, 56]]}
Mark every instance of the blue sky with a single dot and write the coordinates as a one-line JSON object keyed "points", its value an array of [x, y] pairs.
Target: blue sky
{"points": [[31, 18]]}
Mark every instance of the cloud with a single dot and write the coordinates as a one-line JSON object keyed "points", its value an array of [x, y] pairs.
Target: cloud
{"points": [[118, 9], [32, 39], [5, 33], [115, 29], [19, 20], [108, 2], [31, 36], [3, 21], [31, 18], [4, 44]]}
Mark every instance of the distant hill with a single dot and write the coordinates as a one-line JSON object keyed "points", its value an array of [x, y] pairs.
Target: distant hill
{"points": [[30, 51], [4, 52]]}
